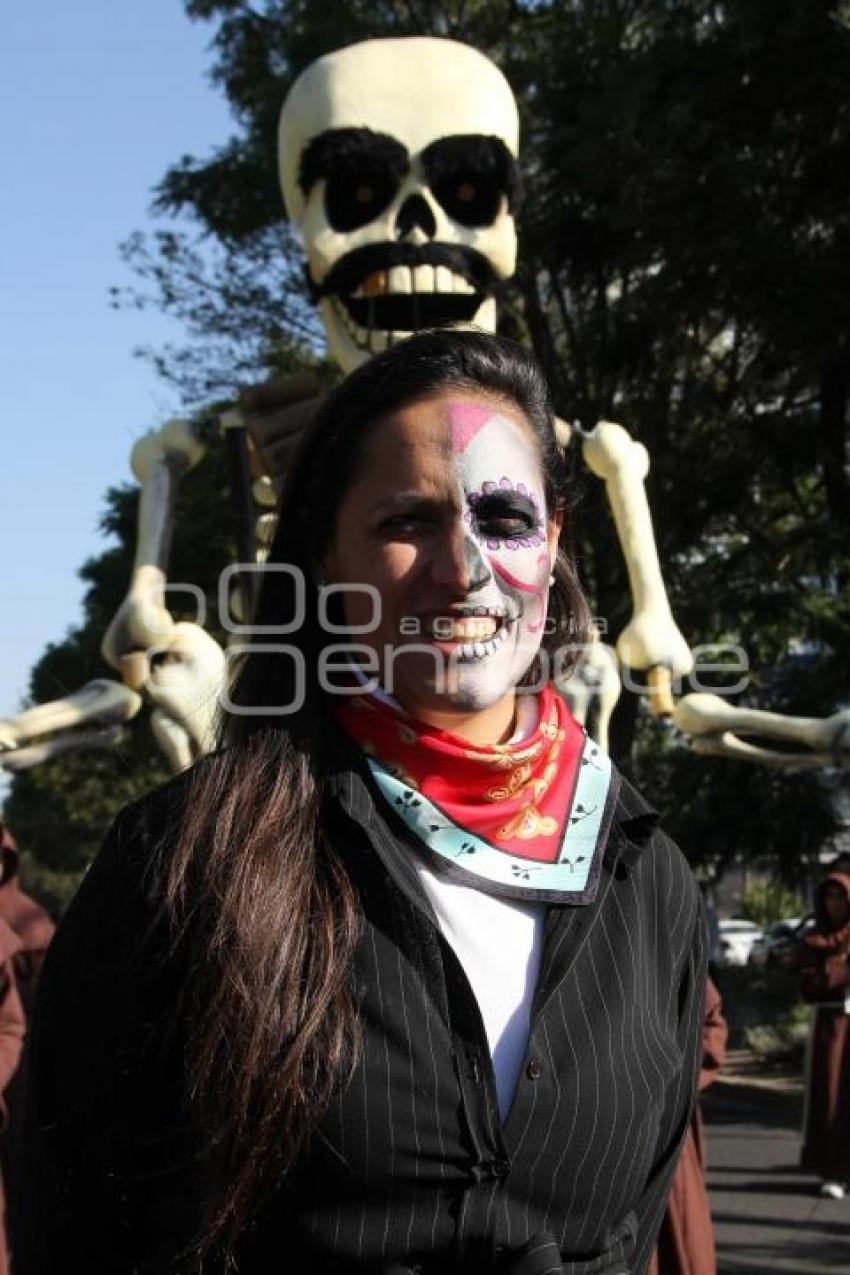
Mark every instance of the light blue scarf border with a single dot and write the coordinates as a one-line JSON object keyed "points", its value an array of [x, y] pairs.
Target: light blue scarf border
{"points": [[462, 850]]}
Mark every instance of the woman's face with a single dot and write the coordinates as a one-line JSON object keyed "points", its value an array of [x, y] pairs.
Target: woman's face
{"points": [[835, 904], [446, 518]]}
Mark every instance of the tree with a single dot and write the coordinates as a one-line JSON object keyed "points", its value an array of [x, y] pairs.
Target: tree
{"points": [[683, 268]]}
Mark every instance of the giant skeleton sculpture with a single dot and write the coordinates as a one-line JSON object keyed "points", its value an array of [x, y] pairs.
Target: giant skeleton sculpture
{"points": [[398, 162]]}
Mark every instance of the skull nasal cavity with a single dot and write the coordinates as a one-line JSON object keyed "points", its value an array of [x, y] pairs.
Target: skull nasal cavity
{"points": [[415, 212]]}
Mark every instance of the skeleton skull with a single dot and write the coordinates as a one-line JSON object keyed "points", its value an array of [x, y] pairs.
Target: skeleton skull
{"points": [[398, 162]]}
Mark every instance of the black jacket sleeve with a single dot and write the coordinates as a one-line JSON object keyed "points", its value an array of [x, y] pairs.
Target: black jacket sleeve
{"points": [[108, 1179]]}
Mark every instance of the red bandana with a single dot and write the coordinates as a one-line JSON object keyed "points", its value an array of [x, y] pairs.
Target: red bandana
{"points": [[518, 799]]}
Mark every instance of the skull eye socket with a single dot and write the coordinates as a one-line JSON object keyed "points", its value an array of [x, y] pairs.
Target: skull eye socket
{"points": [[353, 200], [471, 175], [471, 198]]}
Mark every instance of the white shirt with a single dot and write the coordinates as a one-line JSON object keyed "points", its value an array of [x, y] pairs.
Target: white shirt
{"points": [[498, 942]]}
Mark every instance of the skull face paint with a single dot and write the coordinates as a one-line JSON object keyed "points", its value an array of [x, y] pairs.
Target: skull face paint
{"points": [[447, 520], [506, 537], [398, 163]]}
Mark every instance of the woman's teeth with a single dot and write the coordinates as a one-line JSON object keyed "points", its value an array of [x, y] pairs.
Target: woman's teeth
{"points": [[475, 636], [473, 628]]}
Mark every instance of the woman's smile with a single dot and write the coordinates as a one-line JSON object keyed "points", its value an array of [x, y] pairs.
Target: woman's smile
{"points": [[468, 637]]}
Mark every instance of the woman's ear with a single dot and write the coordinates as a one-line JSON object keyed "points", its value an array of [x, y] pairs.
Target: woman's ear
{"points": [[553, 534]]}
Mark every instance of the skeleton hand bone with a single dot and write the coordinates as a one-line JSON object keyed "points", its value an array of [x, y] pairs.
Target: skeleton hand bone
{"points": [[184, 677], [592, 690], [651, 641]]}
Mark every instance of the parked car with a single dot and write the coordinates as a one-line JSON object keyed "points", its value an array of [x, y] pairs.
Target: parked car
{"points": [[737, 937], [778, 941]]}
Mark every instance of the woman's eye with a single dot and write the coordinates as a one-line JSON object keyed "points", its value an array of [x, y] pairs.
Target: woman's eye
{"points": [[507, 525], [401, 525]]}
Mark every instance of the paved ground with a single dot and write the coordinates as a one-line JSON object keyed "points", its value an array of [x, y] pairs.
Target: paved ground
{"points": [[768, 1216]]}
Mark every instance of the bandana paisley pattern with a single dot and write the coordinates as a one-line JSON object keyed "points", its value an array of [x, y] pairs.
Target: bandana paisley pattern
{"points": [[524, 820]]}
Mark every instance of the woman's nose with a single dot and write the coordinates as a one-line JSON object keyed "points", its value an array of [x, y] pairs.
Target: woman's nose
{"points": [[459, 563]]}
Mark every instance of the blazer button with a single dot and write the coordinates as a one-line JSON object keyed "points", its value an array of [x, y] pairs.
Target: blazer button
{"points": [[533, 1070], [500, 1168]]}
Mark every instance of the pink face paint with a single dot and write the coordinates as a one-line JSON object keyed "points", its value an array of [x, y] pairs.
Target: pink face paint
{"points": [[465, 420], [539, 590], [514, 581]]}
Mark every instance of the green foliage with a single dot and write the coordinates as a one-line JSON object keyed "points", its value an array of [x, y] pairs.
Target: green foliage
{"points": [[765, 1014], [767, 900], [684, 267], [244, 309]]}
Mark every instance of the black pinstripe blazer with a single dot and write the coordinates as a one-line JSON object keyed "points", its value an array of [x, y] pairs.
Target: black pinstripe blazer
{"points": [[411, 1170]]}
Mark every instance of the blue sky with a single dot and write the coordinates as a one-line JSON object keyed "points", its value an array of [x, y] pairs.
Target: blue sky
{"points": [[97, 98]]}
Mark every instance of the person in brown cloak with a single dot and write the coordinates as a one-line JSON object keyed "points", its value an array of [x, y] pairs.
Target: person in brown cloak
{"points": [[29, 920], [823, 958], [30, 931], [11, 1043]]}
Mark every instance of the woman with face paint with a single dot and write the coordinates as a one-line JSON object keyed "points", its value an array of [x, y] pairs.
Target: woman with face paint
{"points": [[404, 977]]}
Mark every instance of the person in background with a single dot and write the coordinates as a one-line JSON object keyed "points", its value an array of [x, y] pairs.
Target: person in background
{"points": [[30, 921], [11, 1046], [33, 928], [686, 1239], [823, 959]]}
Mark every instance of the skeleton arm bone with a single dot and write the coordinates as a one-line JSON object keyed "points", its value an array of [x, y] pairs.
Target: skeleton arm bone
{"points": [[47, 750], [651, 641], [158, 461], [715, 728], [99, 703]]}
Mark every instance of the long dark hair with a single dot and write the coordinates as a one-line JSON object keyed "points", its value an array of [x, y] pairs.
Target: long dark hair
{"points": [[274, 916]]}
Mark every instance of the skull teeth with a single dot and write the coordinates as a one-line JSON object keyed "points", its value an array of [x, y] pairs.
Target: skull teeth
{"points": [[375, 285], [423, 279], [376, 331], [444, 280], [407, 279], [400, 279]]}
